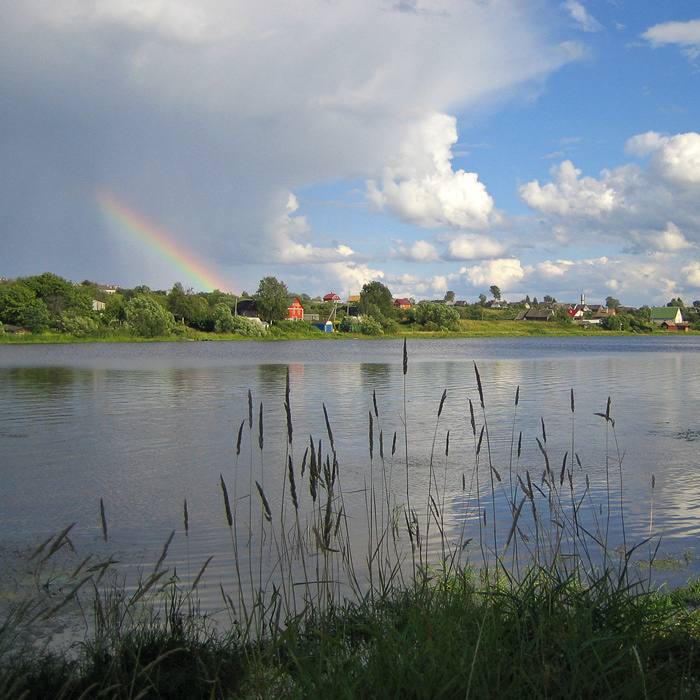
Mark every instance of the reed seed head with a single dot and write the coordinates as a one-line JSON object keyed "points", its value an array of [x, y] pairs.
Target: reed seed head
{"points": [[103, 517], [478, 385], [227, 505], [240, 437], [266, 506], [442, 402], [260, 427]]}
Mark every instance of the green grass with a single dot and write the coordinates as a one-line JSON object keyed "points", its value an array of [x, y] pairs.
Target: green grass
{"points": [[546, 636]]}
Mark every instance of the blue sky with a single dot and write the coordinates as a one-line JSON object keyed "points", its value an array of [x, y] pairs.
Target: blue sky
{"points": [[434, 145]]}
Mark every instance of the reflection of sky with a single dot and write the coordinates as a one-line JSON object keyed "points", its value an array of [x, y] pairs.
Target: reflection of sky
{"points": [[158, 423]]}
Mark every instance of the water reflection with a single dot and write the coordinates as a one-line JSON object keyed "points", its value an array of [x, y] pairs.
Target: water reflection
{"points": [[145, 426]]}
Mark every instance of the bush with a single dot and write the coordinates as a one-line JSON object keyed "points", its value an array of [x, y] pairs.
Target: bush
{"points": [[76, 324], [370, 326], [437, 317], [248, 327], [147, 318]]}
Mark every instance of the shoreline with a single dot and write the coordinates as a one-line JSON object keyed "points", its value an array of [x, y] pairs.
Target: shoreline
{"points": [[478, 330]]}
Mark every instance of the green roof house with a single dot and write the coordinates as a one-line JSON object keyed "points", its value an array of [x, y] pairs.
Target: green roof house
{"points": [[659, 314]]}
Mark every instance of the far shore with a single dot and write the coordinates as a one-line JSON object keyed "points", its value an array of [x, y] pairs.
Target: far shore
{"points": [[469, 329]]}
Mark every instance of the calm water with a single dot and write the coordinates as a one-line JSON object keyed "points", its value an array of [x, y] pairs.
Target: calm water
{"points": [[144, 426]]}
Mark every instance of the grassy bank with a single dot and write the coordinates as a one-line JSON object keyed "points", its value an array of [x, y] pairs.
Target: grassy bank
{"points": [[468, 329], [544, 636], [545, 603]]}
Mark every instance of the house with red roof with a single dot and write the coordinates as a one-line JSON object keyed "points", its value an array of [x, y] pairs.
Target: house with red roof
{"points": [[295, 312]]}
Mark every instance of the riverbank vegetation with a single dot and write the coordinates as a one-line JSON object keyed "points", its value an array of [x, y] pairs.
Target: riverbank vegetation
{"points": [[47, 308], [523, 583]]}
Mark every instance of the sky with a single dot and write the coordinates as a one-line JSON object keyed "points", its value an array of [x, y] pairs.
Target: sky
{"points": [[544, 147]]}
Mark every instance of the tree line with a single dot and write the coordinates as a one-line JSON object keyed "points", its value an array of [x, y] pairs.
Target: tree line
{"points": [[48, 302]]}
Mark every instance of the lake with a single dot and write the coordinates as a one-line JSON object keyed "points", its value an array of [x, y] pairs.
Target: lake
{"points": [[146, 426]]}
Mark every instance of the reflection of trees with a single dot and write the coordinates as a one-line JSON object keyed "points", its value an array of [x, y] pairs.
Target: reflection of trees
{"points": [[41, 378], [273, 377]]}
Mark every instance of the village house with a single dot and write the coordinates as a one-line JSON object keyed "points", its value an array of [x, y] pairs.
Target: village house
{"points": [[402, 304], [535, 315], [247, 308], [668, 314], [295, 312]]}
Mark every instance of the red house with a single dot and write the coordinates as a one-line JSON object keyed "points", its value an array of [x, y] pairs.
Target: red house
{"points": [[402, 304], [295, 312], [332, 297]]}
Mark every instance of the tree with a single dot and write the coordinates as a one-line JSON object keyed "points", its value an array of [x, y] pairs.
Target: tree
{"points": [[548, 299], [449, 296], [482, 299], [376, 297], [676, 302], [612, 303], [272, 299], [178, 302], [59, 295], [20, 306], [611, 323], [147, 318], [496, 291], [563, 317]]}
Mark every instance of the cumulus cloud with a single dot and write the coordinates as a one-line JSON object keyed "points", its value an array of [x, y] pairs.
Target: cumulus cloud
{"points": [[287, 240], [692, 274], [348, 277], [675, 158], [648, 208], [470, 246], [670, 240], [504, 272], [558, 268], [683, 34], [420, 186], [420, 251], [570, 194], [584, 20]]}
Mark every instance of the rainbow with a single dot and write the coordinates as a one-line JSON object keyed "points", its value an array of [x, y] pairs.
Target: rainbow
{"points": [[139, 228]]}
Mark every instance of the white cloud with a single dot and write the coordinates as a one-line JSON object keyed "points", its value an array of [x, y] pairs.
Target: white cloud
{"points": [[504, 272], [420, 187], [288, 239], [670, 240], [684, 34], [420, 251], [345, 250], [469, 246], [644, 144], [571, 195], [692, 274], [581, 16], [651, 208], [348, 277], [559, 268]]}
